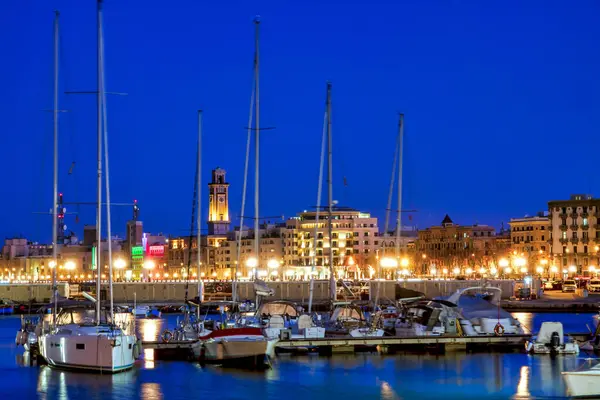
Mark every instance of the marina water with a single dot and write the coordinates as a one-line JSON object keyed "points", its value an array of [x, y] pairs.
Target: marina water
{"points": [[454, 375]]}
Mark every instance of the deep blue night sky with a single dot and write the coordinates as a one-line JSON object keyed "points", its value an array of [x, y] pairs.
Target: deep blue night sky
{"points": [[501, 102]]}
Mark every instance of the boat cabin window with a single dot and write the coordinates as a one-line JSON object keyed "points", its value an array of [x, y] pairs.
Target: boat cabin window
{"points": [[80, 346], [569, 282], [595, 282]]}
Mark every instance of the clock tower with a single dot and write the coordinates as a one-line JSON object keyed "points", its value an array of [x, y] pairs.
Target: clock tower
{"points": [[218, 200]]}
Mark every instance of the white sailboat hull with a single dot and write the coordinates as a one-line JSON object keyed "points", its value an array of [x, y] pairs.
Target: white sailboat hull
{"points": [[583, 383], [89, 352]]}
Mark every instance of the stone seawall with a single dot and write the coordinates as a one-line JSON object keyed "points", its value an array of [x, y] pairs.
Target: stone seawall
{"points": [[158, 292]]}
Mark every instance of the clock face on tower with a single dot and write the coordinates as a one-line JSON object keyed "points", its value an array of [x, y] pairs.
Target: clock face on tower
{"points": [[221, 199]]}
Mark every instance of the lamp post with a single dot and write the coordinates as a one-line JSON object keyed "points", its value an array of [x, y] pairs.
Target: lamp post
{"points": [[252, 262], [273, 265], [148, 266], [120, 264]]}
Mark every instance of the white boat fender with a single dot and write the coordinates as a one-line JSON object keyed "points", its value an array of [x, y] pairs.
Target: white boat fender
{"points": [[167, 336], [499, 329], [137, 349]]}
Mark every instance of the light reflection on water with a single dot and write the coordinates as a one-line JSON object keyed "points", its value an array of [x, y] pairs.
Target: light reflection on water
{"points": [[402, 376]]}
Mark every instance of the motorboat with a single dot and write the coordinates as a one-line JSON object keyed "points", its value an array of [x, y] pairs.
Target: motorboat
{"points": [[583, 383], [140, 311], [80, 342], [550, 340], [27, 336], [481, 313], [285, 320], [430, 318], [389, 316], [239, 347], [348, 319], [372, 330]]}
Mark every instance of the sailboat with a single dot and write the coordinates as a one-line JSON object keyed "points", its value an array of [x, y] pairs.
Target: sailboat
{"points": [[98, 344], [241, 346]]}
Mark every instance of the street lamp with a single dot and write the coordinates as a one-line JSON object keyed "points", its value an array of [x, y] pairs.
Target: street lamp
{"points": [[539, 270], [273, 263], [149, 264], [120, 263], [252, 262], [388, 262], [70, 265], [503, 263], [456, 271]]}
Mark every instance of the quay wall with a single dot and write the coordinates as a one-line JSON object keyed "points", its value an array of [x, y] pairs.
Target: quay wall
{"points": [[157, 292]]}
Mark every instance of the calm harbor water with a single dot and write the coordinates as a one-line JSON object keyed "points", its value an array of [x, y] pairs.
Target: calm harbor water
{"points": [[363, 376]]}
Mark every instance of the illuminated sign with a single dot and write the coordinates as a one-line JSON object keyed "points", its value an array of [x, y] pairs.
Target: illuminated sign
{"points": [[137, 252], [94, 257], [156, 251]]}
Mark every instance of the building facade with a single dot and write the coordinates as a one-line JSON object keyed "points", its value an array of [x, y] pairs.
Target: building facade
{"points": [[354, 242], [529, 237], [450, 245], [575, 233]]}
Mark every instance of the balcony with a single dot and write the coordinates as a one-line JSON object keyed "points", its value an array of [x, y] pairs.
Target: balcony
{"points": [[585, 227], [563, 240], [573, 226], [563, 227], [584, 214], [574, 240], [585, 240]]}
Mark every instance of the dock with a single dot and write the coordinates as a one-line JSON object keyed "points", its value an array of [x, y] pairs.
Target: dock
{"points": [[346, 344]]}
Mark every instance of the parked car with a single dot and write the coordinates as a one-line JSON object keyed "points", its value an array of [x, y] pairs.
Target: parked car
{"points": [[569, 285], [557, 285], [594, 285], [548, 285]]}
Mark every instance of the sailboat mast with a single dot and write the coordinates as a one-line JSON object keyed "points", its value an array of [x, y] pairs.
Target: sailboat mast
{"points": [[400, 151], [55, 177], [318, 212], [199, 215], [99, 162], [257, 147], [332, 288], [107, 177]]}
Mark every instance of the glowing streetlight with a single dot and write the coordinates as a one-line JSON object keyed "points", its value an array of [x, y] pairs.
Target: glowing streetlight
{"points": [[120, 263], [388, 262], [445, 271], [503, 263], [494, 270], [52, 264], [70, 265], [523, 270], [539, 270], [273, 264], [433, 271], [520, 262], [572, 268], [507, 270], [482, 270], [554, 269], [592, 268], [469, 271], [149, 264], [456, 271], [404, 262], [544, 261], [252, 262]]}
